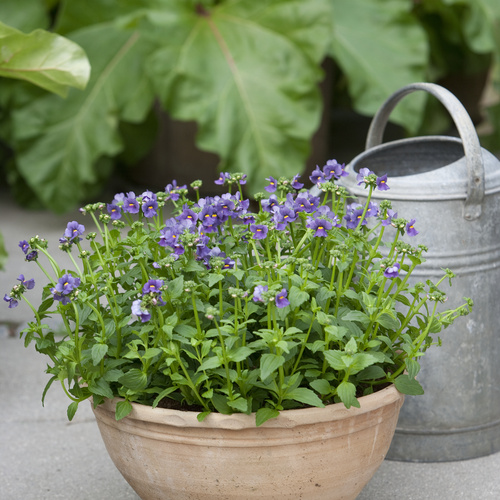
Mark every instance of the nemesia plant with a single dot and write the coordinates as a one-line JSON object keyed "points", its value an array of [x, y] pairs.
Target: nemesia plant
{"points": [[217, 306]]}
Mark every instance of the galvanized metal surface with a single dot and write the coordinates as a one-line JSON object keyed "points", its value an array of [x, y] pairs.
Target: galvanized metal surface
{"points": [[452, 188]]}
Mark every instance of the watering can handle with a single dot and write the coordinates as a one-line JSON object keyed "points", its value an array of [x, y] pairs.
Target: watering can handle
{"points": [[465, 127]]}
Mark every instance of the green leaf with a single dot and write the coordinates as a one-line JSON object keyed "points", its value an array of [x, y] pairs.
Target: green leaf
{"points": [[407, 385], [239, 354], [72, 408], [387, 321], [269, 363], [305, 396], [194, 267], [60, 144], [101, 387], [322, 386], [336, 359], [240, 404], [175, 288], [220, 404], [365, 33], [134, 380], [264, 414], [187, 331], [162, 395], [210, 363], [412, 367], [152, 352], [25, 15], [98, 352], [297, 297], [45, 59], [347, 394], [214, 278], [123, 408], [358, 316], [480, 24], [372, 372], [362, 360], [247, 72]]}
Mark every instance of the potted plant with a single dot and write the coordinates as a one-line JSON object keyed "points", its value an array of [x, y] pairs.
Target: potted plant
{"points": [[204, 330]]}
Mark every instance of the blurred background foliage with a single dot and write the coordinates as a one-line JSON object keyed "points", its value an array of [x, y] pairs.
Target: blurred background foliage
{"points": [[267, 87]]}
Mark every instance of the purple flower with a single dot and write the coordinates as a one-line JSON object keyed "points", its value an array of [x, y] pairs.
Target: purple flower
{"points": [[64, 286], [202, 250], [228, 263], [410, 229], [317, 176], [210, 219], [282, 216], [272, 184], [225, 207], [259, 231], [222, 178], [24, 246], [153, 289], [119, 198], [149, 204], [372, 210], [363, 172], [281, 299], [172, 190], [114, 211], [391, 214], [295, 182], [12, 302], [139, 311], [73, 231], [188, 215], [29, 284], [334, 169], [269, 204], [353, 216], [130, 204], [152, 286], [382, 183], [248, 219], [258, 291], [393, 271], [321, 226], [243, 179], [32, 256], [306, 203]]}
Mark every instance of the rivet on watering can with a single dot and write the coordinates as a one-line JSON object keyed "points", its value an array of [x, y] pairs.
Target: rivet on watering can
{"points": [[452, 187]]}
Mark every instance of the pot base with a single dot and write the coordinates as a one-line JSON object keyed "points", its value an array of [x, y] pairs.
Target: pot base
{"points": [[314, 453]]}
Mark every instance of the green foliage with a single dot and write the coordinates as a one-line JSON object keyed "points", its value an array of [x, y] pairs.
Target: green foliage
{"points": [[246, 72], [380, 47], [45, 59], [209, 309]]}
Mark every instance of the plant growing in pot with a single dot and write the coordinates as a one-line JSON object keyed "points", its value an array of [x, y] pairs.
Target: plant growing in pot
{"points": [[239, 353]]}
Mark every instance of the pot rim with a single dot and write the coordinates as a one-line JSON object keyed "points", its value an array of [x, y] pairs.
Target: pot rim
{"points": [[236, 421]]}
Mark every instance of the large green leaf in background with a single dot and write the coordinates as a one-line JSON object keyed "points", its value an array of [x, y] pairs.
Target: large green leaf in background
{"points": [[42, 58], [247, 72], [59, 142], [482, 23], [24, 15], [381, 48], [482, 28]]}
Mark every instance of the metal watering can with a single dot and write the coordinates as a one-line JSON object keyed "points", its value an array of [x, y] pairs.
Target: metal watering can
{"points": [[451, 187]]}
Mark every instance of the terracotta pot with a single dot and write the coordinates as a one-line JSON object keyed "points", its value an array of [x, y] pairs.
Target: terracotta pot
{"points": [[313, 453]]}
